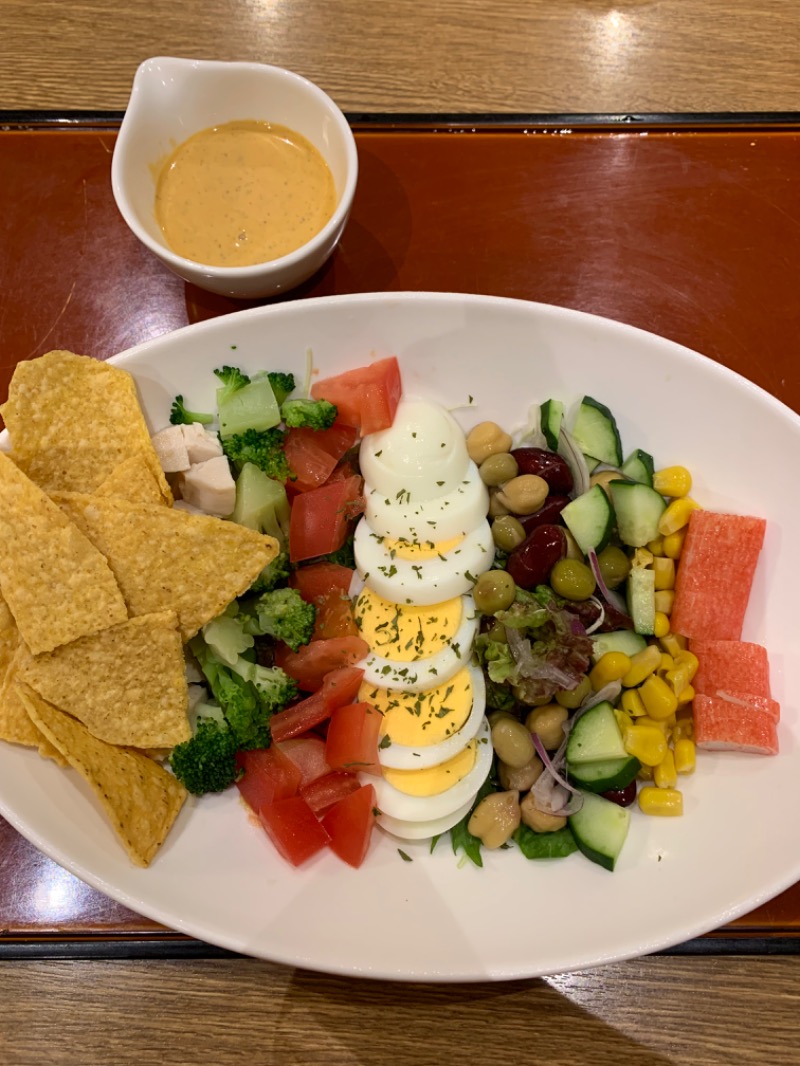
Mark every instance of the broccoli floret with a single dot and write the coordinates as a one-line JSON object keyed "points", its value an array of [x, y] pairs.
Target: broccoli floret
{"points": [[282, 385], [282, 614], [261, 447], [274, 574], [312, 414], [232, 380], [274, 686], [180, 415], [207, 762]]}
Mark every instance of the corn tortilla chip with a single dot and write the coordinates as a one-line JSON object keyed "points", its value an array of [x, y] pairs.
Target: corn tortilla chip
{"points": [[165, 558], [56, 584], [132, 480], [141, 799], [15, 725], [9, 639], [73, 419], [127, 684]]}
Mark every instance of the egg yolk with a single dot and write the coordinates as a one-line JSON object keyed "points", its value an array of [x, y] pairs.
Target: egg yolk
{"points": [[426, 549], [406, 633], [433, 780], [418, 719]]}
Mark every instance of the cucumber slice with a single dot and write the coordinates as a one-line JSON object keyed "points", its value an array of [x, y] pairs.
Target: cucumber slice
{"points": [[624, 640], [604, 774], [638, 508], [590, 519], [600, 828], [639, 467], [642, 600], [596, 434], [552, 415], [595, 737]]}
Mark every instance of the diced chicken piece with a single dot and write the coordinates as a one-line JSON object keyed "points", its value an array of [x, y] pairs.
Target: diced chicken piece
{"points": [[171, 450], [182, 505], [210, 487], [200, 444]]}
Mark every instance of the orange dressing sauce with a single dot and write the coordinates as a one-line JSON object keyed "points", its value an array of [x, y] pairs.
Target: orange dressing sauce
{"points": [[243, 193]]}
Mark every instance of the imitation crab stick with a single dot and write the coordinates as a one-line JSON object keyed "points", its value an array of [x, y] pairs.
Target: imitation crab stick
{"points": [[730, 665]]}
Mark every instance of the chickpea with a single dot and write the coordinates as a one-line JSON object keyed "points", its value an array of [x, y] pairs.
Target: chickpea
{"points": [[548, 724], [574, 697], [498, 469], [522, 777], [512, 742], [494, 591], [537, 820], [507, 532], [524, 494], [497, 509], [487, 438], [603, 478], [495, 818]]}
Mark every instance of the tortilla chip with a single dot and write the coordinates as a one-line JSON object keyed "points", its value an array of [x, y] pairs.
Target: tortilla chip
{"points": [[141, 799], [56, 584], [165, 558], [132, 480], [9, 639], [73, 419], [127, 684], [15, 725]]}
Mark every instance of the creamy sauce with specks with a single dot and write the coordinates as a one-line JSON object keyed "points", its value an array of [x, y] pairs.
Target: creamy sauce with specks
{"points": [[243, 193]]}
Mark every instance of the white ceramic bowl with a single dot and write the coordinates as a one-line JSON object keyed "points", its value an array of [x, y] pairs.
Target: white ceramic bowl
{"points": [[172, 99]]}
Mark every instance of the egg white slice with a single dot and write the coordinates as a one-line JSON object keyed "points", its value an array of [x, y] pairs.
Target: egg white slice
{"points": [[451, 515], [396, 804], [421, 757], [433, 827], [428, 581], [420, 674]]}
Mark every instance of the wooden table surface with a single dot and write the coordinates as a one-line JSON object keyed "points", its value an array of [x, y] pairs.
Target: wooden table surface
{"points": [[635, 56]]}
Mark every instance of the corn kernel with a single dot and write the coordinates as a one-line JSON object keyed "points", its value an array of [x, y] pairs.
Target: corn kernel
{"points": [[642, 558], [647, 743], [673, 543], [666, 663], [643, 663], [676, 516], [609, 667], [645, 773], [684, 756], [670, 642], [673, 481], [665, 802], [661, 624], [664, 724], [665, 573], [684, 727], [686, 696], [688, 659], [623, 719], [677, 678], [658, 697], [632, 703], [664, 601], [656, 547], [665, 775]]}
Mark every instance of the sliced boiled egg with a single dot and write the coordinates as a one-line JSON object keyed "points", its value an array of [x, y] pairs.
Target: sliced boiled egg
{"points": [[438, 518], [410, 830]]}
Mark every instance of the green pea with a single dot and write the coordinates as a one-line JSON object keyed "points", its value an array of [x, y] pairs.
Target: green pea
{"points": [[507, 532], [498, 469], [494, 591], [614, 565], [572, 579]]}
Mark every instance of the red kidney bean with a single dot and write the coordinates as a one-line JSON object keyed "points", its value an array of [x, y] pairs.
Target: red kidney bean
{"points": [[547, 514], [530, 563], [547, 465], [623, 797]]}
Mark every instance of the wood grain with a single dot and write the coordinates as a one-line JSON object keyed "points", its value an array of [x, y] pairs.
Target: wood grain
{"points": [[231, 1011], [445, 55]]}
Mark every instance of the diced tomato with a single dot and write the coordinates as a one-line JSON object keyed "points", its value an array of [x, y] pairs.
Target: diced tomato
{"points": [[319, 519], [349, 824], [342, 471], [334, 618], [352, 742], [294, 829], [325, 791], [311, 662], [268, 775], [336, 441], [366, 397], [308, 755], [337, 688], [310, 463], [326, 585]]}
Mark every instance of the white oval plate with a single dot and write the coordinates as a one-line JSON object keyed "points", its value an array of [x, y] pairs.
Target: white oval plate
{"points": [[217, 877]]}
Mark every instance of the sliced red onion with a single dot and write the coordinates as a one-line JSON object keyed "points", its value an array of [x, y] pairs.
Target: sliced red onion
{"points": [[609, 692], [535, 668], [608, 595], [569, 450], [530, 435], [552, 792], [600, 618]]}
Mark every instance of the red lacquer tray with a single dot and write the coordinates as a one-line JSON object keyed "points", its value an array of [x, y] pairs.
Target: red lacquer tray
{"points": [[687, 228]]}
